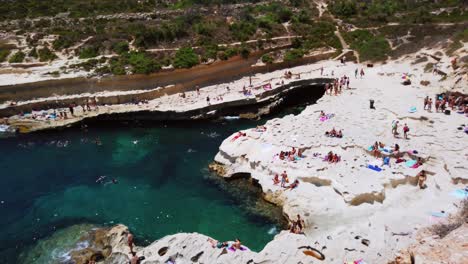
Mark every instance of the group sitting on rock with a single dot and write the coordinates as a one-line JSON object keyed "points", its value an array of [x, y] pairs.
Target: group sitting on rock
{"points": [[297, 227], [334, 133], [233, 246], [332, 158], [291, 155]]}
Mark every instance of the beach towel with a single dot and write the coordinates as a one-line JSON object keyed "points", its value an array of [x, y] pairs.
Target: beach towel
{"points": [[412, 109], [371, 148], [460, 193], [438, 214], [374, 168], [410, 163]]}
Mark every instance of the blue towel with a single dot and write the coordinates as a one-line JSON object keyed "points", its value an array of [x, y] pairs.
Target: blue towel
{"points": [[375, 168], [460, 193], [410, 163]]}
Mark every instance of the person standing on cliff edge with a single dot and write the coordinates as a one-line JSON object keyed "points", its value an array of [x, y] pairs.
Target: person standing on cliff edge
{"points": [[130, 242]]}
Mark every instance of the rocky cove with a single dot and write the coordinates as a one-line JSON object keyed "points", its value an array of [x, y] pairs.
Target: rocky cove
{"points": [[92, 243], [351, 212]]}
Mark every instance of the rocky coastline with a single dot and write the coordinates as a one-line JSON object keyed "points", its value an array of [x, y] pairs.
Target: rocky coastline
{"points": [[351, 212]]}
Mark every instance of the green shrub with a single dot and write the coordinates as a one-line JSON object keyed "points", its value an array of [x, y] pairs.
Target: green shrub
{"points": [[293, 54], [244, 51], [89, 52], [267, 59], [231, 52], [142, 63], [185, 58], [120, 47], [117, 67], [17, 57], [4, 54], [243, 30], [369, 47], [46, 55], [33, 53], [344, 8], [210, 52]]}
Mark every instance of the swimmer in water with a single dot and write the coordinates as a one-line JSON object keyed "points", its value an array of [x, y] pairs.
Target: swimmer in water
{"points": [[114, 181], [100, 179]]}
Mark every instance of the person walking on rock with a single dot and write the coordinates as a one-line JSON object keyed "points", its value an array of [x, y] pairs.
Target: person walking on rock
{"points": [[405, 131], [395, 128]]}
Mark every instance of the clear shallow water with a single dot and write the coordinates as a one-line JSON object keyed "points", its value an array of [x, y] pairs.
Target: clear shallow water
{"points": [[49, 183]]}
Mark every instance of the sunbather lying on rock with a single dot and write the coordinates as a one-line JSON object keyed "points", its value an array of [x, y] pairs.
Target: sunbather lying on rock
{"points": [[239, 134], [217, 244], [293, 185]]}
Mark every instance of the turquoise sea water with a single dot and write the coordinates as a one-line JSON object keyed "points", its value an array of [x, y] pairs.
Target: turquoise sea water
{"points": [[163, 187]]}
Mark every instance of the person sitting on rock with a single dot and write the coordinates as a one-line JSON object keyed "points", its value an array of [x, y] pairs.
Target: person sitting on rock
{"points": [[339, 134], [375, 150], [422, 179], [237, 244], [299, 153], [322, 114], [281, 156], [333, 132], [276, 179], [329, 156], [335, 158]]}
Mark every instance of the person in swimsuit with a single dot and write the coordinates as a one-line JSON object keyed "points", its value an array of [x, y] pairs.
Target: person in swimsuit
{"points": [[293, 185], [130, 242], [237, 244], [284, 179], [217, 244], [422, 179], [276, 179], [405, 131]]}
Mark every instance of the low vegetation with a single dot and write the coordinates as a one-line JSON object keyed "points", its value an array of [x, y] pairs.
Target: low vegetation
{"points": [[45, 54], [17, 57], [4, 54], [369, 46], [185, 58], [366, 13]]}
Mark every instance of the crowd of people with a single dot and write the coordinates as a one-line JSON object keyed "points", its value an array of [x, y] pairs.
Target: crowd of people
{"points": [[443, 102], [291, 155], [337, 86]]}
